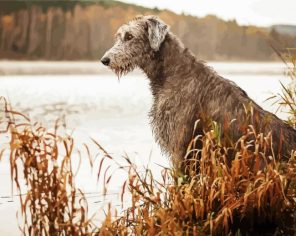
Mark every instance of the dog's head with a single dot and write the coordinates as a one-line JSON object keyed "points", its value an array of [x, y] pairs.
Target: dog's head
{"points": [[134, 41]]}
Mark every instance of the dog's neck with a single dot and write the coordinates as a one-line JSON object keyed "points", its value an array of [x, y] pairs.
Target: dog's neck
{"points": [[164, 64]]}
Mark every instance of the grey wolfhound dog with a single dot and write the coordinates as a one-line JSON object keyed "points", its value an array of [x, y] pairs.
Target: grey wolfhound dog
{"points": [[185, 90]]}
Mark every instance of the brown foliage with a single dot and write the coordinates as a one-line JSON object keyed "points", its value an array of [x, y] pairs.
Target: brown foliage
{"points": [[220, 199], [214, 197], [83, 32], [50, 203]]}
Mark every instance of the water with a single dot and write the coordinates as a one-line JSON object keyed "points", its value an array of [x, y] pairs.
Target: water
{"points": [[112, 112]]}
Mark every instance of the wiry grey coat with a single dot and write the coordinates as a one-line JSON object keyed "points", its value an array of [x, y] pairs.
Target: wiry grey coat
{"points": [[186, 90]]}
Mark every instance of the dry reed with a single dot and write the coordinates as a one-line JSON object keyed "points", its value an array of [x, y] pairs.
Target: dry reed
{"points": [[50, 202]]}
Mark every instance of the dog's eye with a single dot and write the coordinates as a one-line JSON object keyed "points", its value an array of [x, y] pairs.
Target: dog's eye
{"points": [[128, 37]]}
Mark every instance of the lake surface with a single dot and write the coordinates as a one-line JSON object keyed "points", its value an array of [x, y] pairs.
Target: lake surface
{"points": [[113, 112]]}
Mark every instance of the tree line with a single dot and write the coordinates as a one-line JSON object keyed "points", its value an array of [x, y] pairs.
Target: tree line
{"points": [[55, 30]]}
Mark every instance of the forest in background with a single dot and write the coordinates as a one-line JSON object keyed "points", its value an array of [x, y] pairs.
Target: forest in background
{"points": [[83, 30]]}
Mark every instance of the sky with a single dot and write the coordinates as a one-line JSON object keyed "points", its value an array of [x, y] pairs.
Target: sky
{"points": [[246, 12]]}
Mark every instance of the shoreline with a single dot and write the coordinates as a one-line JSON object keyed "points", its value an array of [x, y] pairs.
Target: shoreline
{"points": [[12, 67]]}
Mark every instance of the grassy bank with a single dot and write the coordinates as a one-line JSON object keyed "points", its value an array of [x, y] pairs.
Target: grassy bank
{"points": [[214, 197]]}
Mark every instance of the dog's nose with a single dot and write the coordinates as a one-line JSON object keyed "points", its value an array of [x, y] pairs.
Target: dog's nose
{"points": [[105, 61]]}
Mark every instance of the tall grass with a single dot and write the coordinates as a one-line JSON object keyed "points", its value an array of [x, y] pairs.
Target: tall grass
{"points": [[220, 199], [50, 202], [286, 100]]}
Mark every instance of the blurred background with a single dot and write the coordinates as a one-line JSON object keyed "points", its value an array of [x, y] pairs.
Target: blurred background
{"points": [[83, 30], [50, 69]]}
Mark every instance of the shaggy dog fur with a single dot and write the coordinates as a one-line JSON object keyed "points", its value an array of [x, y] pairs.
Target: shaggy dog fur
{"points": [[186, 90]]}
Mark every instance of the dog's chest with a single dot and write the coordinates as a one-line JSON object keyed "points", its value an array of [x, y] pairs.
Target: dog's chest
{"points": [[165, 115]]}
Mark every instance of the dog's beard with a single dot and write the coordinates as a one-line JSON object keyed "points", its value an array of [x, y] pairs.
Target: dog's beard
{"points": [[122, 69]]}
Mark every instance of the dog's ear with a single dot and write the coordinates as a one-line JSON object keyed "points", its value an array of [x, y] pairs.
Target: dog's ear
{"points": [[157, 31]]}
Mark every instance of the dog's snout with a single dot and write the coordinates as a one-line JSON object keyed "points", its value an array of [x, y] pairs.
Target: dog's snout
{"points": [[105, 61]]}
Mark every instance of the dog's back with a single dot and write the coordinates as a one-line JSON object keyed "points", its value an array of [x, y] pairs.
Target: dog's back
{"points": [[202, 94]]}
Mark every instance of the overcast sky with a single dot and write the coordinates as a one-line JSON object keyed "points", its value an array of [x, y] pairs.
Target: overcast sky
{"points": [[255, 12]]}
